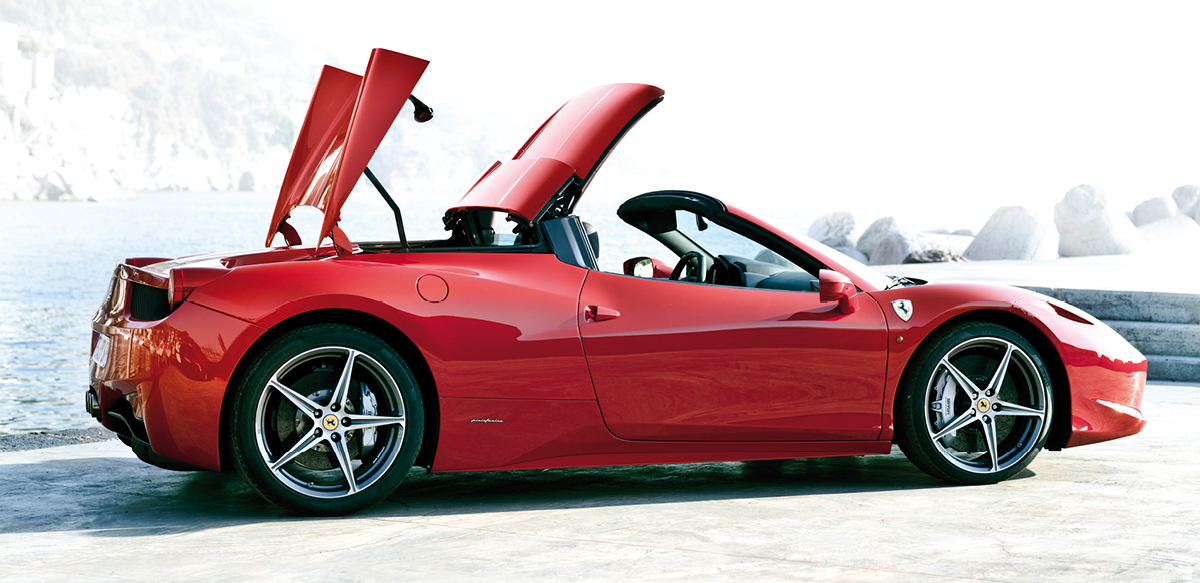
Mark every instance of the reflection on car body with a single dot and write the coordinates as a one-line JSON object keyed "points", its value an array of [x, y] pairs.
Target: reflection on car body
{"points": [[323, 372]]}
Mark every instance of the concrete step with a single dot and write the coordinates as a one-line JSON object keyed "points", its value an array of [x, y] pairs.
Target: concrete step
{"points": [[1131, 306], [1160, 339], [1163, 326], [1174, 368]]}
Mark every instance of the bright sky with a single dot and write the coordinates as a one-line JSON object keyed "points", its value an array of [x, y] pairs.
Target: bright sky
{"points": [[936, 113]]}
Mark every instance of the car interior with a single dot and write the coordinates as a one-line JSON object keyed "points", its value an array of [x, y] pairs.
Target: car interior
{"points": [[712, 247], [709, 251]]}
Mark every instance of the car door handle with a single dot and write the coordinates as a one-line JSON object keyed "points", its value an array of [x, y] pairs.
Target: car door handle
{"points": [[600, 314]]}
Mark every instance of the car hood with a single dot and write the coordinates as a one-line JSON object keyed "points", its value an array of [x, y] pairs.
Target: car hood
{"points": [[550, 172], [346, 120]]}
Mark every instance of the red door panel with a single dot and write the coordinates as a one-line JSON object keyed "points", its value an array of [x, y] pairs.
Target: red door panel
{"points": [[686, 361]]}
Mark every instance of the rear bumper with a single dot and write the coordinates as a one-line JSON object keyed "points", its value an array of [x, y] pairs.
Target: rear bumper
{"points": [[160, 385], [131, 432]]}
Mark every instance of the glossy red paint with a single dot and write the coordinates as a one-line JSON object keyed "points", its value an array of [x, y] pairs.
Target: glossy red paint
{"points": [[1107, 375], [578, 137], [710, 363], [836, 287], [169, 370], [432, 288], [933, 305], [493, 434], [144, 261], [582, 131], [346, 120], [530, 350], [534, 361], [183, 280], [520, 187]]}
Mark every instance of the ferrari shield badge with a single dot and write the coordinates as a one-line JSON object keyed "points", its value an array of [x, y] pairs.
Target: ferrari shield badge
{"points": [[903, 309]]}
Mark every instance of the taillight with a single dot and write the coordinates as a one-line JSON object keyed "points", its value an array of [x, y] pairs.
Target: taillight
{"points": [[184, 280]]}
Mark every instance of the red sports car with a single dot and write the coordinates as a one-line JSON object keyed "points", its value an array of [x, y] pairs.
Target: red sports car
{"points": [[323, 373]]}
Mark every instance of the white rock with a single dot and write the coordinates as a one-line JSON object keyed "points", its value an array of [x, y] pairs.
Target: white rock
{"points": [[897, 246], [1177, 235], [769, 256], [852, 253], [1013, 232], [1088, 226], [933, 256], [875, 234], [964, 233], [834, 229], [1187, 198], [1155, 209]]}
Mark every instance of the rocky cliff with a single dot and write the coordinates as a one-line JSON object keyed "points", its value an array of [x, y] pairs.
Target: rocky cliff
{"points": [[144, 95]]}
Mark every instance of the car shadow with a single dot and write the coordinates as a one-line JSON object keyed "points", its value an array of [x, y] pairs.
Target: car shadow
{"points": [[477, 492], [123, 497]]}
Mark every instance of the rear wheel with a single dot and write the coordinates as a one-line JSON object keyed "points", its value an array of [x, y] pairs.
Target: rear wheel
{"points": [[327, 421], [976, 407]]}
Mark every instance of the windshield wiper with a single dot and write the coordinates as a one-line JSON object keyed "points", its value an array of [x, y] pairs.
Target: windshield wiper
{"points": [[900, 281]]}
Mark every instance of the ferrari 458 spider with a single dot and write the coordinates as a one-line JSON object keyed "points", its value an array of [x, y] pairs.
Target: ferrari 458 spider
{"points": [[324, 373]]}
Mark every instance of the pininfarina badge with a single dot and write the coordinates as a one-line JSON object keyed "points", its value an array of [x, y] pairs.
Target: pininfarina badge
{"points": [[903, 309]]}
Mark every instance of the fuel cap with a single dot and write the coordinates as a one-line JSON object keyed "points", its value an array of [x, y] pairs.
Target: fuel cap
{"points": [[432, 288]]}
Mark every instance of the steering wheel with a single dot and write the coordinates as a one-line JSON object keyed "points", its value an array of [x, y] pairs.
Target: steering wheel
{"points": [[696, 265]]}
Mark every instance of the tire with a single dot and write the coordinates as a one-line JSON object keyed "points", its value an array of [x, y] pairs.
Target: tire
{"points": [[289, 436], [958, 420]]}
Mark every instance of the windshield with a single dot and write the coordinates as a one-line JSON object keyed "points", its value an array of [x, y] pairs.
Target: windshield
{"points": [[717, 240], [872, 275]]}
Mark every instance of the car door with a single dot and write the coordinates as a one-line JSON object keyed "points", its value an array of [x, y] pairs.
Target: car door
{"points": [[675, 360]]}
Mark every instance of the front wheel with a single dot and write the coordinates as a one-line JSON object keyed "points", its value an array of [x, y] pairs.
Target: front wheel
{"points": [[327, 421], [975, 406]]}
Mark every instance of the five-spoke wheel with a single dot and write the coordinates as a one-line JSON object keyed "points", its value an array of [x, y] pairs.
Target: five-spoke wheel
{"points": [[975, 406], [328, 420]]}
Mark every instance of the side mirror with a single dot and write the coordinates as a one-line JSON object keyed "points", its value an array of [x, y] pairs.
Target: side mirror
{"points": [[647, 267], [836, 287]]}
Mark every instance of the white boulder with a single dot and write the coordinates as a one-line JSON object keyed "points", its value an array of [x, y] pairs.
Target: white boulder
{"points": [[1155, 209], [1013, 232], [834, 229], [1187, 198], [852, 253], [899, 245], [1173, 235], [875, 234], [1088, 226], [933, 256]]}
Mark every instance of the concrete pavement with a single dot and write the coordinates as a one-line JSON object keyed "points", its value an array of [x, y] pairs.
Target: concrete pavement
{"points": [[1118, 511]]}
